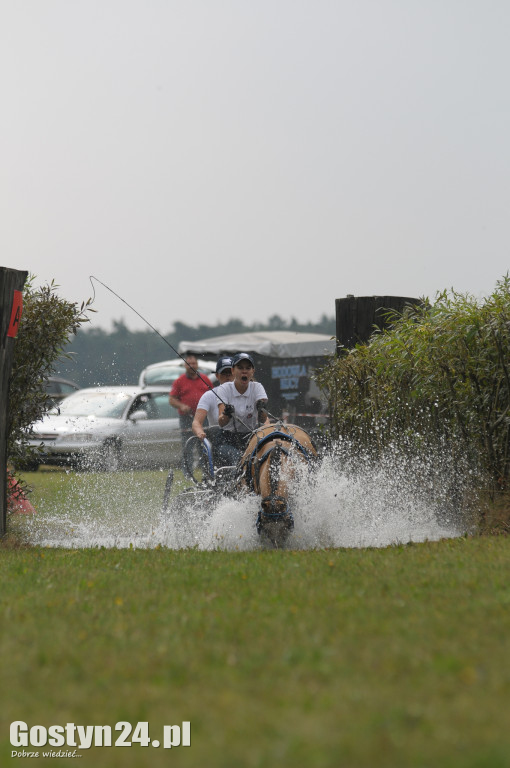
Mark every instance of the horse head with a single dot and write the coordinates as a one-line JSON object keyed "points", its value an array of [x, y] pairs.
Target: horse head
{"points": [[268, 468]]}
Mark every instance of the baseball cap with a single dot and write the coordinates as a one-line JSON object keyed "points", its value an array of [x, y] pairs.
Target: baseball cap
{"points": [[223, 363], [242, 356]]}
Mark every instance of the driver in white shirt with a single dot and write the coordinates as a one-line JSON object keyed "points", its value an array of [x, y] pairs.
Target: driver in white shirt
{"points": [[241, 410]]}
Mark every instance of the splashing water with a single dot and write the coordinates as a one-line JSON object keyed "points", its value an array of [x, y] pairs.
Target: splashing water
{"points": [[342, 504]]}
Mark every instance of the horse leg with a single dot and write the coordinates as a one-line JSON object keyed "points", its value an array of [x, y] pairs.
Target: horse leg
{"points": [[274, 519]]}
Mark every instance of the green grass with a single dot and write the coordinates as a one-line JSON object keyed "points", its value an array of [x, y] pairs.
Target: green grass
{"points": [[394, 657]]}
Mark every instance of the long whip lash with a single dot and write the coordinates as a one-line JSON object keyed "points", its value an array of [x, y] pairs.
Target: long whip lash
{"points": [[91, 278]]}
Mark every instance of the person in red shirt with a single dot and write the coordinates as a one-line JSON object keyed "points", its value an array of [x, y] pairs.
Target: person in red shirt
{"points": [[184, 396]]}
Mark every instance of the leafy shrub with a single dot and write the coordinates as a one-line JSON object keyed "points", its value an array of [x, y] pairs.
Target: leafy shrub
{"points": [[442, 372], [47, 323]]}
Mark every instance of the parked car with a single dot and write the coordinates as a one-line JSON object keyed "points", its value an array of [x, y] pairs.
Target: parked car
{"points": [[166, 372], [110, 428], [58, 388]]}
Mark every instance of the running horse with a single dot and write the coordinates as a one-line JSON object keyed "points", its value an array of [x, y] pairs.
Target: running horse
{"points": [[268, 467]]}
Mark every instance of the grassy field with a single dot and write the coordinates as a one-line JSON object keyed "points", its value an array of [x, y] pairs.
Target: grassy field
{"points": [[359, 657]]}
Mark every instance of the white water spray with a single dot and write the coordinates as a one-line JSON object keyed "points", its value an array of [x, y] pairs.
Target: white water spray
{"points": [[397, 500]]}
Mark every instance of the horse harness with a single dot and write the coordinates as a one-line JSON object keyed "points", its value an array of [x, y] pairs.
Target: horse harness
{"points": [[250, 469]]}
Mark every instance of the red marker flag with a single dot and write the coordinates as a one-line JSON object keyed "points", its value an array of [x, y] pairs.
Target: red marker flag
{"points": [[17, 308]]}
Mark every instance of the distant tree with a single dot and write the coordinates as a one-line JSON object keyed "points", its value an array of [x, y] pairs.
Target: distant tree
{"points": [[118, 357], [276, 323]]}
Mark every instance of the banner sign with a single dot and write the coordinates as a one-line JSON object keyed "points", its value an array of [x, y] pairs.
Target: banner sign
{"points": [[289, 376], [17, 308]]}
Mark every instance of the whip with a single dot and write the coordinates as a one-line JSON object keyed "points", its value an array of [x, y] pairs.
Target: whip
{"points": [[91, 277], [206, 382]]}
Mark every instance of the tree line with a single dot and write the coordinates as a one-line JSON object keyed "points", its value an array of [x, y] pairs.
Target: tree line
{"points": [[97, 357]]}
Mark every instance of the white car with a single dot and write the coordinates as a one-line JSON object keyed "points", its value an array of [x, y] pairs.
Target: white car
{"points": [[57, 389], [166, 372], [111, 428]]}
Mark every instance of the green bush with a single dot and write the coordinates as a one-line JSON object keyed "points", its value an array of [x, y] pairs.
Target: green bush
{"points": [[47, 323], [441, 372]]}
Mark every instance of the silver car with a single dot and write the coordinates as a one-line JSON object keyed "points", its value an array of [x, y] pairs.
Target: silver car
{"points": [[111, 428], [57, 389], [167, 371]]}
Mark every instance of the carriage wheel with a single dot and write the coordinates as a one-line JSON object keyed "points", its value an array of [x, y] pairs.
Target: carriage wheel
{"points": [[168, 490], [198, 461]]}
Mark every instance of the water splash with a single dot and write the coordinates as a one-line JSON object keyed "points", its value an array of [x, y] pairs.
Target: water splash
{"points": [[342, 504]]}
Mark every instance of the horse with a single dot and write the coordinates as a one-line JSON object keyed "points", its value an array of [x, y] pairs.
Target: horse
{"points": [[268, 467]]}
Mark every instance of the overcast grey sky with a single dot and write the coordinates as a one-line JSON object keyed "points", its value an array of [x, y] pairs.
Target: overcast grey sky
{"points": [[210, 159]]}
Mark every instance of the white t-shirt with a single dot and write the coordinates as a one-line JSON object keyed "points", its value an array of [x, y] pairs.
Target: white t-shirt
{"points": [[244, 405], [209, 402]]}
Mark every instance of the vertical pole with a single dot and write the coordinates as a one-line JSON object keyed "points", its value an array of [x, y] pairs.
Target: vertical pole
{"points": [[11, 287], [357, 316]]}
